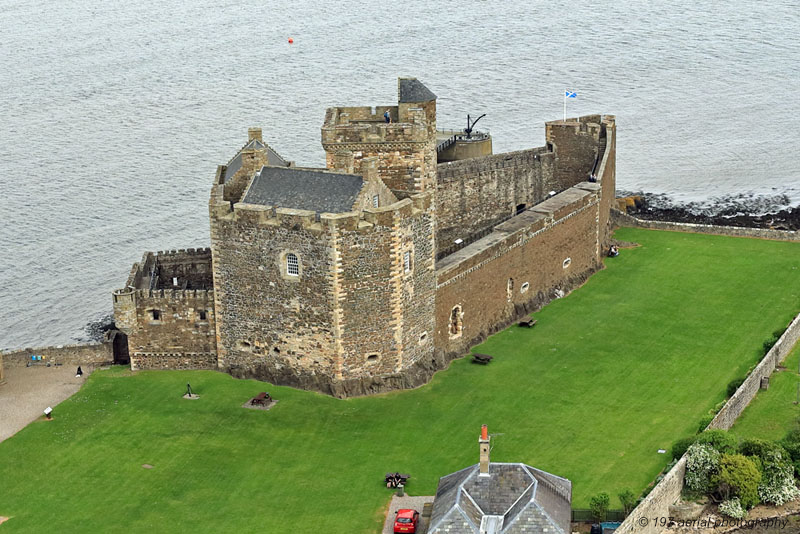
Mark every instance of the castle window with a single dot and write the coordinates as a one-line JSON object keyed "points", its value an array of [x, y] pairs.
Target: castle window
{"points": [[423, 337], [407, 261], [174, 280], [292, 265], [202, 315], [373, 357], [244, 345], [155, 315], [566, 263], [524, 287], [376, 201], [509, 288], [456, 323], [520, 208]]}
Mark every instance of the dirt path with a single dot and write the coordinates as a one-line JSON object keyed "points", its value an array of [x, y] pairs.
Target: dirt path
{"points": [[29, 390]]}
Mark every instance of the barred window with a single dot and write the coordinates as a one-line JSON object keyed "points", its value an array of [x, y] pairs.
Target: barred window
{"points": [[292, 265], [376, 201], [407, 260]]}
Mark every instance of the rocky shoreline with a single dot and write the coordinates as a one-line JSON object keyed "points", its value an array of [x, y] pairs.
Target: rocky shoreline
{"points": [[769, 213]]}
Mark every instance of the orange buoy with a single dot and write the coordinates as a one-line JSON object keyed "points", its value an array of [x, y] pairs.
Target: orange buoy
{"points": [[291, 40]]}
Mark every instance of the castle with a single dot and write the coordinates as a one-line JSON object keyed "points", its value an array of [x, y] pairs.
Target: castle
{"points": [[374, 272]]}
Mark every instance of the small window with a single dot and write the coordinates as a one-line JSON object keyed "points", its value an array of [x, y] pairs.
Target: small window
{"points": [[376, 201], [174, 280], [520, 208], [407, 260], [244, 345], [566, 263], [524, 287], [423, 337], [509, 288], [155, 315], [373, 357], [292, 265], [202, 315]]}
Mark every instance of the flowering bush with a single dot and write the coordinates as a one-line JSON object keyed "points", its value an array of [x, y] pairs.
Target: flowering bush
{"points": [[777, 480], [702, 461], [732, 508]]}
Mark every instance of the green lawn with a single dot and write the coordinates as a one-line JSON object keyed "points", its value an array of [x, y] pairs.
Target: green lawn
{"points": [[773, 412], [611, 373]]}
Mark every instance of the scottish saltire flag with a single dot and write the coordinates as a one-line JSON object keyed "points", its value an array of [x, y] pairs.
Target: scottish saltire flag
{"points": [[570, 94]]}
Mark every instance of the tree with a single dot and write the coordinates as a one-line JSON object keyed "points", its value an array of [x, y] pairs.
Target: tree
{"points": [[738, 476], [628, 500], [599, 506], [777, 480]]}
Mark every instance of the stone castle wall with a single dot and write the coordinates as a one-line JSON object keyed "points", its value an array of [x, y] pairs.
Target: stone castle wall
{"points": [[523, 264], [623, 219], [167, 311], [474, 195], [76, 354]]}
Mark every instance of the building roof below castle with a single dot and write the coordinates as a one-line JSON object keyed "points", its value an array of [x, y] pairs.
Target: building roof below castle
{"points": [[412, 90], [305, 189], [513, 498]]}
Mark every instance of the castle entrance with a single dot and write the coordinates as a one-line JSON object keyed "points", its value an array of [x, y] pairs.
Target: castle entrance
{"points": [[120, 342]]}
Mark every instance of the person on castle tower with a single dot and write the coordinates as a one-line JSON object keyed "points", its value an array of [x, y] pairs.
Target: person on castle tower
{"points": [[387, 116]]}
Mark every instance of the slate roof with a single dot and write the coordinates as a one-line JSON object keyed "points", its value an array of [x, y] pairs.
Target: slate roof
{"points": [[413, 90], [514, 499], [273, 158], [306, 189]]}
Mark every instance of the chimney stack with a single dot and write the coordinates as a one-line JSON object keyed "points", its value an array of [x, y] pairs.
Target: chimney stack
{"points": [[254, 133], [483, 442]]}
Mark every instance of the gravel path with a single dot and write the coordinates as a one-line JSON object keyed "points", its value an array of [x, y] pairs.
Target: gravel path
{"points": [[29, 390], [406, 501]]}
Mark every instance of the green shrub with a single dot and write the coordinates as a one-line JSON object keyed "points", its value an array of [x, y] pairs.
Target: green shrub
{"points": [[702, 463], [770, 342], [732, 508], [739, 477], [791, 442], [733, 385], [599, 506], [680, 446], [777, 480], [628, 500], [721, 440], [760, 448], [704, 422]]}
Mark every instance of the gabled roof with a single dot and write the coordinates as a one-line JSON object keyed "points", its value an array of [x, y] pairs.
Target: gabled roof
{"points": [[412, 90], [513, 499], [306, 189], [273, 158]]}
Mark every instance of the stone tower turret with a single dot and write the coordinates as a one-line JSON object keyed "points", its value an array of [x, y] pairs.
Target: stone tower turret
{"points": [[405, 146]]}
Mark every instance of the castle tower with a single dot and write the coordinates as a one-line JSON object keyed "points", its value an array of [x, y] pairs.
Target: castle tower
{"points": [[405, 147]]}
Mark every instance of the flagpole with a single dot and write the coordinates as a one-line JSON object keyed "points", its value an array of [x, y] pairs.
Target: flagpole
{"points": [[565, 105]]}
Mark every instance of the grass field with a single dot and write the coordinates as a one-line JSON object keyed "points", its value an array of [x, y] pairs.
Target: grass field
{"points": [[773, 412], [613, 372]]}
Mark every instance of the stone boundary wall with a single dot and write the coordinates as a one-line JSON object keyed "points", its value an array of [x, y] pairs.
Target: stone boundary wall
{"points": [[666, 492], [623, 219], [77, 354]]}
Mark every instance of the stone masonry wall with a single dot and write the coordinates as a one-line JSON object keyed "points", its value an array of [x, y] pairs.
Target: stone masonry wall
{"points": [[516, 269], [623, 219], [473, 195], [577, 143], [77, 354], [270, 324], [162, 323], [667, 492]]}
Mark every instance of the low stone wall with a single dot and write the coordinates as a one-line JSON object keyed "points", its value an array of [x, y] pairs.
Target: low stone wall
{"points": [[666, 492], [184, 361], [623, 219], [78, 354]]}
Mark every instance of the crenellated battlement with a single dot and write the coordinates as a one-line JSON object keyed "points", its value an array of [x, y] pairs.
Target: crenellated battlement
{"points": [[345, 131], [352, 221]]}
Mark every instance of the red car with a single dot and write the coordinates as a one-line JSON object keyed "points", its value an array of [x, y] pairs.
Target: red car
{"points": [[406, 521]]}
